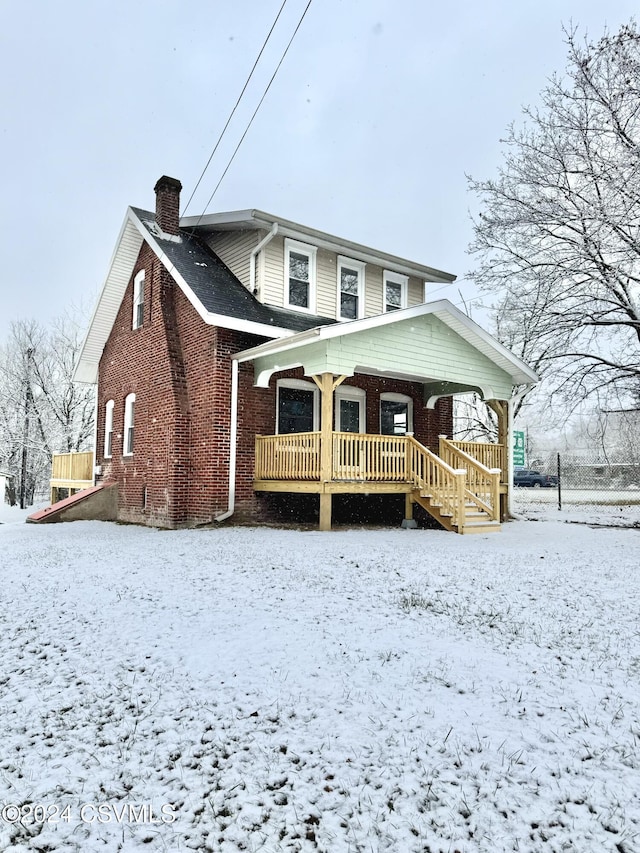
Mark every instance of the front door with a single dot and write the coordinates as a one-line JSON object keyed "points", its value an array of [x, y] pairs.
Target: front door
{"points": [[349, 418]]}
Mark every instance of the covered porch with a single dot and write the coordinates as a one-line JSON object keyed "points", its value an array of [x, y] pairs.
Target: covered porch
{"points": [[327, 452]]}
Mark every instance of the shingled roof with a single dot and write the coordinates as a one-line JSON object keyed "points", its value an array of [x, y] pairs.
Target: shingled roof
{"points": [[209, 285], [217, 289]]}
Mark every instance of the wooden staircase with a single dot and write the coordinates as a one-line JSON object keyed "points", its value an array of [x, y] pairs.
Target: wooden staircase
{"points": [[462, 500]]}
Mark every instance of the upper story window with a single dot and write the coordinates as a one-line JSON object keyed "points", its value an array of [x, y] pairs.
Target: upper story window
{"points": [[129, 418], [300, 272], [350, 289], [395, 290], [138, 300], [108, 428]]}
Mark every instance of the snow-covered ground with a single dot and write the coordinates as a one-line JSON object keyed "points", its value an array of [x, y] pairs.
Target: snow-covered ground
{"points": [[251, 689]]}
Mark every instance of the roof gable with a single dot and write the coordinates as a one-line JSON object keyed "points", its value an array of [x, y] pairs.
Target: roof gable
{"points": [[431, 343], [213, 290]]}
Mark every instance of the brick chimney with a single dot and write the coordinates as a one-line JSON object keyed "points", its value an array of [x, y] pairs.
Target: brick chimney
{"points": [[168, 204]]}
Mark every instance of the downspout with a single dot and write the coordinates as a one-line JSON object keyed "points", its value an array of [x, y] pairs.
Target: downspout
{"points": [[511, 404], [233, 443], [252, 258], [233, 436]]}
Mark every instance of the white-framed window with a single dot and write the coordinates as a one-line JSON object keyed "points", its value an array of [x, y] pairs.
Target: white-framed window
{"points": [[300, 276], [350, 409], [138, 300], [297, 406], [350, 289], [395, 290], [129, 420], [108, 428], [396, 414]]}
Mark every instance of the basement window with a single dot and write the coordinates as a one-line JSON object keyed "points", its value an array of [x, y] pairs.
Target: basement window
{"points": [[138, 300], [129, 406], [108, 429]]}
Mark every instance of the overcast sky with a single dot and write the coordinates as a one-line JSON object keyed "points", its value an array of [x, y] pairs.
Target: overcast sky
{"points": [[379, 110]]}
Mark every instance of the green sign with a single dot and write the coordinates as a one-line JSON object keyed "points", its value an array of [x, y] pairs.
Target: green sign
{"points": [[518, 448]]}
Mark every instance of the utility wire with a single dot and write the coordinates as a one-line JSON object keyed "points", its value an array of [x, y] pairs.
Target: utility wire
{"points": [[232, 113], [282, 58]]}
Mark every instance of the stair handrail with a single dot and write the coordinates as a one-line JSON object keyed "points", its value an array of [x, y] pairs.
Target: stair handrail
{"points": [[490, 476], [446, 485]]}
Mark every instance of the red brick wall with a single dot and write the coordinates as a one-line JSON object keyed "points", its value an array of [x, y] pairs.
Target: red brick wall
{"points": [[180, 370]]}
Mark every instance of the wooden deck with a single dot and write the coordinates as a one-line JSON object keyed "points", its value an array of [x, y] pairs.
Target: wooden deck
{"points": [[462, 493]]}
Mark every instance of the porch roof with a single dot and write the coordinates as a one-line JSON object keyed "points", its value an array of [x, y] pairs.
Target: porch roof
{"points": [[433, 343]]}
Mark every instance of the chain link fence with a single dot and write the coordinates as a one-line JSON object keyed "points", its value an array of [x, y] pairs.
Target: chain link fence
{"points": [[579, 478]]}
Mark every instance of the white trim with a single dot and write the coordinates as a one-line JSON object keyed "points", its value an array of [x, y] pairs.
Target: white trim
{"points": [[108, 429], [390, 277], [359, 268], [350, 392], [138, 300], [393, 397], [129, 425], [302, 385], [310, 252]]}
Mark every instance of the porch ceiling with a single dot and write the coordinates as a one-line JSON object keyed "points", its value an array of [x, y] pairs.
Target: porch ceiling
{"points": [[428, 344]]}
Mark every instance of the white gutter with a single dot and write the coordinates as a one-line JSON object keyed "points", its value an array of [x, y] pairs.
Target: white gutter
{"points": [[252, 258], [233, 443]]}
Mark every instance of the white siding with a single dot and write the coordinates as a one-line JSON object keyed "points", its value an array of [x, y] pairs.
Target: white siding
{"points": [[234, 249]]}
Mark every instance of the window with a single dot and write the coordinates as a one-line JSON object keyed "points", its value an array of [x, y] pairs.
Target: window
{"points": [[108, 428], [300, 270], [349, 404], [395, 291], [129, 405], [296, 406], [396, 414], [138, 300], [350, 289]]}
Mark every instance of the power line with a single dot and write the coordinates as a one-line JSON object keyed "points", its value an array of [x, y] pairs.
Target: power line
{"points": [[231, 114], [237, 148]]}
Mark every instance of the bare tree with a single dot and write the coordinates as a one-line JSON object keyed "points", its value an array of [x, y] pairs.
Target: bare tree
{"points": [[558, 237], [42, 411]]}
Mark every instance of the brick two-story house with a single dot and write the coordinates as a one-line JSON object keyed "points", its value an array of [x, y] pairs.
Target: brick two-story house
{"points": [[252, 368]]}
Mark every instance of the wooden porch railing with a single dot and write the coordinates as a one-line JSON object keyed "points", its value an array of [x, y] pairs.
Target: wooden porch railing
{"points": [[72, 467], [293, 456], [72, 471], [489, 455], [438, 480], [482, 484], [377, 458]]}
